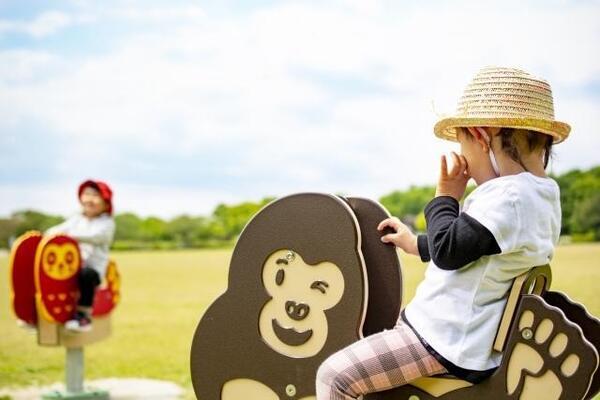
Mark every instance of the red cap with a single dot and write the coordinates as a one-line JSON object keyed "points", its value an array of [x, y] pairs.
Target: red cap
{"points": [[102, 188]]}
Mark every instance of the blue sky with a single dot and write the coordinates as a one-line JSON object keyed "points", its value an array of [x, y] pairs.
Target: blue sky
{"points": [[181, 105]]}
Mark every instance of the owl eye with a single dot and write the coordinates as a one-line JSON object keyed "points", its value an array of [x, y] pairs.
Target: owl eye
{"points": [[51, 258], [69, 257]]}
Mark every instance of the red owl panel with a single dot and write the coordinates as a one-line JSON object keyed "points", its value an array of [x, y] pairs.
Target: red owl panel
{"points": [[57, 266], [107, 296], [21, 267]]}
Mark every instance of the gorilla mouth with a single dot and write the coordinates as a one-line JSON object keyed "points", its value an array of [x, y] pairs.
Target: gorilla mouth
{"points": [[290, 336]]}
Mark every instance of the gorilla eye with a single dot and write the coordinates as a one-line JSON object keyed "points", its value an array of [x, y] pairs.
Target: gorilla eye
{"points": [[320, 286], [279, 277]]}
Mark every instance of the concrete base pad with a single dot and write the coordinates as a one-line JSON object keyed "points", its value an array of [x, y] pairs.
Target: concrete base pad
{"points": [[117, 388], [85, 395]]}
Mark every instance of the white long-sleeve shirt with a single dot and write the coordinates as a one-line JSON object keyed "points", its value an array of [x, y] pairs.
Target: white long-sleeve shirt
{"points": [[94, 236]]}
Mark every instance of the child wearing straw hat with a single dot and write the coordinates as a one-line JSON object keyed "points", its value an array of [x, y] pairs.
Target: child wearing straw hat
{"points": [[510, 223]]}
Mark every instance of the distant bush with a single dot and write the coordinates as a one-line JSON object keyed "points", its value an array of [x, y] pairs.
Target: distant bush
{"points": [[583, 237]]}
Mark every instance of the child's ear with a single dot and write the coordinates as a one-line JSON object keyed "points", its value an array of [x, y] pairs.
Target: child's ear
{"points": [[480, 136]]}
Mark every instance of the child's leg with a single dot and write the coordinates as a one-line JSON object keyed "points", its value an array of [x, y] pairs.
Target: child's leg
{"points": [[378, 362], [88, 280], [81, 320]]}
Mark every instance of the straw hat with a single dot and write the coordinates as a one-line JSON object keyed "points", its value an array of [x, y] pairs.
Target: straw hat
{"points": [[507, 98]]}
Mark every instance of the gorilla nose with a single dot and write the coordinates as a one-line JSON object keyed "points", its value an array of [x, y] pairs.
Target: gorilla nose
{"points": [[296, 311]]}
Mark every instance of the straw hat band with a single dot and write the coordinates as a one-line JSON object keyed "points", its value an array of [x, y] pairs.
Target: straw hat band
{"points": [[505, 97]]}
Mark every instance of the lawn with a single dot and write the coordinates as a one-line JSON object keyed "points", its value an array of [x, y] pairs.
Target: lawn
{"points": [[164, 296]]}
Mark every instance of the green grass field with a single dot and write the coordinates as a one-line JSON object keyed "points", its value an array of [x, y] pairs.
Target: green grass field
{"points": [[164, 296]]}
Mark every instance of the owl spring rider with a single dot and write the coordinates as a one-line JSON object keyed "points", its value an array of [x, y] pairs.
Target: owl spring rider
{"points": [[44, 294]]}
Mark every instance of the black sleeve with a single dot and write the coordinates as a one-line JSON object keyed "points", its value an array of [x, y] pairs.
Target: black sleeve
{"points": [[453, 240]]}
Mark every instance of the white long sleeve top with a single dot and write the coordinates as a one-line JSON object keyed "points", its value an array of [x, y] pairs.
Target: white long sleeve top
{"points": [[94, 236]]}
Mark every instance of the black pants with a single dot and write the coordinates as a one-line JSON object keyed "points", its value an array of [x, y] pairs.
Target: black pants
{"points": [[89, 279]]}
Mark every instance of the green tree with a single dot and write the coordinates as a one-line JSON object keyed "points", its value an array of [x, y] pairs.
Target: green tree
{"points": [[8, 227], [410, 202], [420, 222], [33, 220], [153, 228], [232, 219], [182, 230], [575, 187], [586, 216], [127, 226]]}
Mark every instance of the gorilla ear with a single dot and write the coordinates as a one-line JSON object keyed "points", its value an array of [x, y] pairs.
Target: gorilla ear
{"points": [[382, 265]]}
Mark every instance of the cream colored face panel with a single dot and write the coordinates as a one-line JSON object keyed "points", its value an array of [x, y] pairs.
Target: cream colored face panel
{"points": [[60, 262], [247, 389], [293, 322]]}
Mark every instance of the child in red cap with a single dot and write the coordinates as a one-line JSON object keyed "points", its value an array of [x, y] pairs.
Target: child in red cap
{"points": [[93, 229]]}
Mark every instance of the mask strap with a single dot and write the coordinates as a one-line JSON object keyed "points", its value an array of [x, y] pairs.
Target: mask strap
{"points": [[491, 152]]}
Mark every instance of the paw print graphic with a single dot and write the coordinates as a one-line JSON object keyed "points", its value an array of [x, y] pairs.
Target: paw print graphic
{"points": [[550, 356]]}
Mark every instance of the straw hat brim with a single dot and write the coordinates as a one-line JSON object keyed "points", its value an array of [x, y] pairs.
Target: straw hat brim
{"points": [[445, 128]]}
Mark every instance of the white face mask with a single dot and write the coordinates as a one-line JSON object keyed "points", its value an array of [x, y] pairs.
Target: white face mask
{"points": [[491, 152]]}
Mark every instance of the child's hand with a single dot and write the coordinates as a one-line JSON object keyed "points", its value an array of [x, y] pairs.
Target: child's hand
{"points": [[453, 183], [403, 237]]}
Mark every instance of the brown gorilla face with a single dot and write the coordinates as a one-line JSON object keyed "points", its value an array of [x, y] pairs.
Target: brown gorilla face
{"points": [[293, 321], [283, 311]]}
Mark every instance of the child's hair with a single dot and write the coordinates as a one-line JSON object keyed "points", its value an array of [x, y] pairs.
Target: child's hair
{"points": [[514, 141]]}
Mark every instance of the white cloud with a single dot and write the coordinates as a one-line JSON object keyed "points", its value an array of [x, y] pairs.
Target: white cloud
{"points": [[244, 86], [43, 25], [157, 14]]}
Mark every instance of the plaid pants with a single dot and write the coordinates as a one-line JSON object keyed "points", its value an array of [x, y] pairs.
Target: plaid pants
{"points": [[378, 362]]}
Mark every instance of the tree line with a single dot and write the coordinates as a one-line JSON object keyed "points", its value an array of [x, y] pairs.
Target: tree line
{"points": [[580, 201]]}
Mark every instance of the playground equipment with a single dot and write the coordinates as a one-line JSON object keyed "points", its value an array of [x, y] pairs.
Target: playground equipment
{"points": [[44, 294], [309, 275]]}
